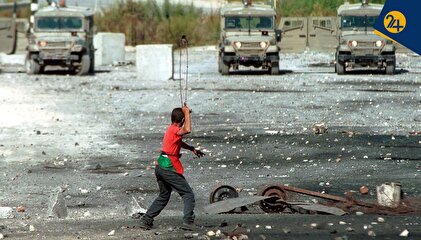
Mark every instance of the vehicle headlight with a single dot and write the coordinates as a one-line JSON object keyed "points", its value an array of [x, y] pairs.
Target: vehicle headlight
{"points": [[379, 43], [354, 43], [42, 43], [263, 44], [237, 44]]}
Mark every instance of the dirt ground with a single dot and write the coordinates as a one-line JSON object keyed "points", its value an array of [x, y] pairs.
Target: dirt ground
{"points": [[98, 136]]}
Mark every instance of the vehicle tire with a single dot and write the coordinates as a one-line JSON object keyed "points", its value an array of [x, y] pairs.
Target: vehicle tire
{"points": [[220, 63], [92, 65], [225, 69], [340, 68], [32, 67], [390, 68], [274, 69], [85, 64]]}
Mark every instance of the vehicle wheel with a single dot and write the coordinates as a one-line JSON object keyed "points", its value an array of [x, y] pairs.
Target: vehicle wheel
{"points": [[222, 193], [390, 68], [92, 65], [274, 70], [272, 205], [32, 67], [340, 68], [85, 64], [220, 63], [225, 69]]}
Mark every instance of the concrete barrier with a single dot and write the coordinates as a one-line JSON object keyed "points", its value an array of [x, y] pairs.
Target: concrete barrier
{"points": [[109, 48], [155, 62]]}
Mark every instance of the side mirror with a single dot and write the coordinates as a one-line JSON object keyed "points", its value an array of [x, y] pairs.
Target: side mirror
{"points": [[278, 35]]}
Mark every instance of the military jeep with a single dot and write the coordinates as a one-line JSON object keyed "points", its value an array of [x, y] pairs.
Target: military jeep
{"points": [[61, 36], [358, 46], [248, 37]]}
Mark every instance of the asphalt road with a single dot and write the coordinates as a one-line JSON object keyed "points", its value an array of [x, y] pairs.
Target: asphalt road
{"points": [[97, 137]]}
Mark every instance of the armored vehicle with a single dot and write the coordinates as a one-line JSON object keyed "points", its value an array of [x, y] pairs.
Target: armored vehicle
{"points": [[248, 37], [358, 46], [61, 36]]}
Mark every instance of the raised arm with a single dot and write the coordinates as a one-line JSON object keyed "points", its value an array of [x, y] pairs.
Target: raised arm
{"points": [[186, 129]]}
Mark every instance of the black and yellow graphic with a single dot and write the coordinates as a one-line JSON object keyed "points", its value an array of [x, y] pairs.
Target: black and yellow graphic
{"points": [[400, 21], [394, 22]]}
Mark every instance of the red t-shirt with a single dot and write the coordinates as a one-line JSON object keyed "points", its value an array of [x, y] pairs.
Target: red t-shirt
{"points": [[171, 145]]}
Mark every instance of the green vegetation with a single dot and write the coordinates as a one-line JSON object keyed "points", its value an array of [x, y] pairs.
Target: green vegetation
{"points": [[149, 23]]}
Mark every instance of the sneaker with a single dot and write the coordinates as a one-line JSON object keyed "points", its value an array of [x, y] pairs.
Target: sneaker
{"points": [[144, 225], [190, 226]]}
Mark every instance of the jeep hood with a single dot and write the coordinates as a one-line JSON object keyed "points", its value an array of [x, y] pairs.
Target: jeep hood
{"points": [[361, 37], [245, 37]]}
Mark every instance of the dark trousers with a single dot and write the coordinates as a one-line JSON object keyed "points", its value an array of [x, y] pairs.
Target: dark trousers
{"points": [[167, 181]]}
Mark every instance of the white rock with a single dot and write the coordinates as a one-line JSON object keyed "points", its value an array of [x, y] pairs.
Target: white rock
{"points": [[380, 220], [6, 212], [87, 214], [359, 213], [31, 228], [342, 222], [112, 233], [1, 236], [211, 233], [371, 233], [257, 226], [268, 227], [313, 225], [218, 233], [404, 233], [242, 237], [83, 191]]}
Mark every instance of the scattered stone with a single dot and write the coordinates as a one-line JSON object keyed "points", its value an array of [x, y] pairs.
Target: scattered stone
{"points": [[371, 233], [367, 227], [242, 237], [359, 213], [262, 237], [195, 234], [319, 128], [404, 233], [211, 233], [83, 191], [380, 220], [112, 233], [389, 194], [364, 190], [1, 236], [188, 235], [6, 212], [286, 230], [31, 228], [349, 229], [20, 209], [57, 205], [87, 214], [314, 225], [342, 223]]}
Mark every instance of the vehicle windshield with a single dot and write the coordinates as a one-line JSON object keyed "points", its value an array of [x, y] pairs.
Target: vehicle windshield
{"points": [[358, 21], [59, 23], [246, 22]]}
